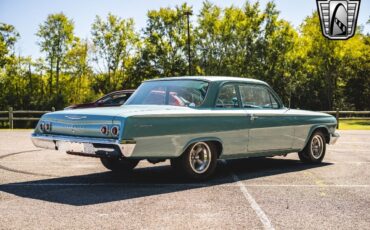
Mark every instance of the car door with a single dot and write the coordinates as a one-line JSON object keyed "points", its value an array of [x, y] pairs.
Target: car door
{"points": [[233, 124], [270, 126]]}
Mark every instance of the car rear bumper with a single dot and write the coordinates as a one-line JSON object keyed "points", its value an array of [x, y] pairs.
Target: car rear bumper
{"points": [[334, 138], [98, 147]]}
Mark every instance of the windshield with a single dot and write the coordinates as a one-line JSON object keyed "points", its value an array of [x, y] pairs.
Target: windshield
{"points": [[170, 92]]}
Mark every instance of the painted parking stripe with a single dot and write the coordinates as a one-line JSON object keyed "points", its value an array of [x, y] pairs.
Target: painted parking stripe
{"points": [[257, 209], [349, 150], [311, 185]]}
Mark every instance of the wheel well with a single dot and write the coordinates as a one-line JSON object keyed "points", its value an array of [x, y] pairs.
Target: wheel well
{"points": [[218, 146], [325, 132]]}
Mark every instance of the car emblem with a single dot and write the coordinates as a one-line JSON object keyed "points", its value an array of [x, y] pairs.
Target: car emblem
{"points": [[338, 18], [75, 117]]}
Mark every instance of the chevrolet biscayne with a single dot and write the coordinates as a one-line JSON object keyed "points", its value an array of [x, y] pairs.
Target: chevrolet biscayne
{"points": [[193, 121]]}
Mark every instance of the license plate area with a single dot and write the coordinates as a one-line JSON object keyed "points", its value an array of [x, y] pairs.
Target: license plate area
{"points": [[76, 147]]}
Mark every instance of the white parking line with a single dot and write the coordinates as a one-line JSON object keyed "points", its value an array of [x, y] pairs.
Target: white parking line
{"points": [[257, 209], [311, 185], [348, 162], [350, 150], [353, 142]]}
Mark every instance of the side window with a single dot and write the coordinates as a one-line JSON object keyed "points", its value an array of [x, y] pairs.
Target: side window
{"points": [[227, 97], [254, 96]]}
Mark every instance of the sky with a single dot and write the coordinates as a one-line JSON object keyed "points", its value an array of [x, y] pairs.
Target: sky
{"points": [[27, 15]]}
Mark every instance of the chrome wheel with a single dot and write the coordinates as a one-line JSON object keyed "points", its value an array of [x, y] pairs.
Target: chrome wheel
{"points": [[317, 146], [200, 157]]}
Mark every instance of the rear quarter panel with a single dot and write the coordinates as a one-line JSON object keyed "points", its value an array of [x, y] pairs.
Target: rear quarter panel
{"points": [[168, 136], [305, 125]]}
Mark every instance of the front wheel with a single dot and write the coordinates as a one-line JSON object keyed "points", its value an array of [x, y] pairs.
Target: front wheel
{"points": [[314, 152], [198, 161], [120, 164]]}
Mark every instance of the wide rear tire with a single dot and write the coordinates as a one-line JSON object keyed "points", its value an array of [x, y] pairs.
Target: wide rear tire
{"points": [[120, 165], [315, 150], [198, 162]]}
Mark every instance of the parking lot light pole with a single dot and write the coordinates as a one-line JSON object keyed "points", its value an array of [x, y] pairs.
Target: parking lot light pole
{"points": [[188, 13]]}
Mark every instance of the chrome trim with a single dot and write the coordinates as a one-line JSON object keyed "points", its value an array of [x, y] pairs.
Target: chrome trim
{"points": [[75, 117], [334, 138], [111, 130], [46, 141], [200, 157]]}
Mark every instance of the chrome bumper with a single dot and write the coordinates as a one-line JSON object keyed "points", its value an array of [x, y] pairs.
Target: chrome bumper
{"points": [[84, 145], [334, 138]]}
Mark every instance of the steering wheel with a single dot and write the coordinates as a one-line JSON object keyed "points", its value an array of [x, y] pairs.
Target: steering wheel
{"points": [[219, 101]]}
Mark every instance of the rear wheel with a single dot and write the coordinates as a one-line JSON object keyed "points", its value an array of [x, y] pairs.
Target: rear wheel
{"points": [[198, 161], [314, 152], [119, 164]]}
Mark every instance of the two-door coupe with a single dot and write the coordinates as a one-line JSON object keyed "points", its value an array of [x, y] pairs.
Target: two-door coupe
{"points": [[193, 121]]}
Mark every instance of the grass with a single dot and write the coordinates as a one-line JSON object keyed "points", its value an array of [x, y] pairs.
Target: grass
{"points": [[354, 124]]}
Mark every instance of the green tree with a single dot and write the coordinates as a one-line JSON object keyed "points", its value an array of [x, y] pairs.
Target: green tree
{"points": [[55, 39], [77, 68], [165, 42], [115, 41], [275, 49], [8, 37]]}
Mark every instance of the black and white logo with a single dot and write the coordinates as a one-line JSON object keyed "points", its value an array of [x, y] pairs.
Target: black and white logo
{"points": [[338, 18]]}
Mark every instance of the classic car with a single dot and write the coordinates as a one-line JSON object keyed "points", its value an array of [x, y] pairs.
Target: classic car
{"points": [[116, 98], [193, 121]]}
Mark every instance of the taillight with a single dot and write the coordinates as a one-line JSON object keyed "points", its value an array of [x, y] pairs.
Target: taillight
{"points": [[115, 130], [104, 130], [45, 126]]}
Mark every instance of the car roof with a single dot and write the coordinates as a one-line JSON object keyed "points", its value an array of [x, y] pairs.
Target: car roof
{"points": [[211, 79]]}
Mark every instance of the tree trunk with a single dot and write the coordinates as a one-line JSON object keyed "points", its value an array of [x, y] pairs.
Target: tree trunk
{"points": [[57, 75], [51, 79]]}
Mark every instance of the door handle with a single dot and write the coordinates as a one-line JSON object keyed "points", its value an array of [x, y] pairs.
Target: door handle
{"points": [[252, 117]]}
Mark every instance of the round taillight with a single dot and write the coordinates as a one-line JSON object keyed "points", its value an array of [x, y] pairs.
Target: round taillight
{"points": [[114, 130], [47, 127], [42, 126], [104, 130]]}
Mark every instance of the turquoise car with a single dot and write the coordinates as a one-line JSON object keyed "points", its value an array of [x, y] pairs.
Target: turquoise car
{"points": [[193, 121]]}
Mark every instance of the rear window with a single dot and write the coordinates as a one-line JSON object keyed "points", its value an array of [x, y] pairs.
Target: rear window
{"points": [[170, 92]]}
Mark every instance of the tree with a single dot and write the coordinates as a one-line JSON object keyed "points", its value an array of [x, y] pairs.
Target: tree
{"points": [[115, 41], [248, 41], [164, 42], [8, 37], [276, 46], [77, 67], [55, 39]]}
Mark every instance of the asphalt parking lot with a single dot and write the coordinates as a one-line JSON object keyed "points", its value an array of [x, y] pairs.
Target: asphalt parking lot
{"points": [[41, 189]]}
